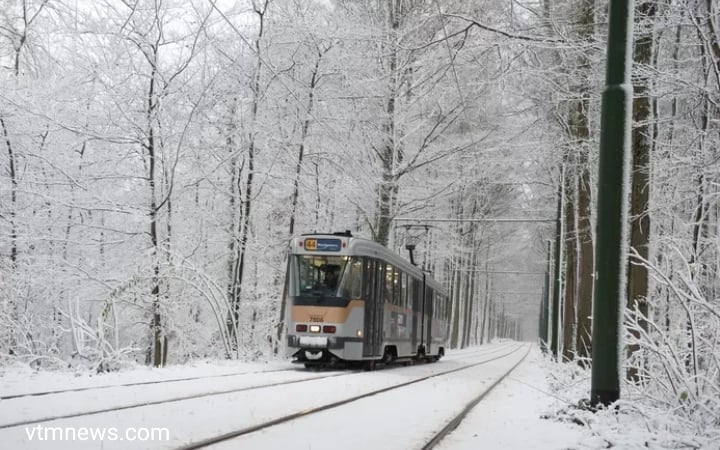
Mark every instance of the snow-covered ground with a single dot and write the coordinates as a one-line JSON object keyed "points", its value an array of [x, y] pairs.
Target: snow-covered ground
{"points": [[511, 416], [530, 410], [535, 408]]}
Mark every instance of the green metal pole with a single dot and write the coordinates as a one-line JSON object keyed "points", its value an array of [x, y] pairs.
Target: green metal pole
{"points": [[610, 263]]}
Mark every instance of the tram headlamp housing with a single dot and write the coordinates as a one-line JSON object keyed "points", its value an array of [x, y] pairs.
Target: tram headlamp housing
{"points": [[359, 333]]}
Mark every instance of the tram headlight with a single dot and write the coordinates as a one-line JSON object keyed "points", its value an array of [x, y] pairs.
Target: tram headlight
{"points": [[314, 328], [359, 333]]}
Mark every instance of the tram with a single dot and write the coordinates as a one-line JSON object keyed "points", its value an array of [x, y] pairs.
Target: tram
{"points": [[351, 300]]}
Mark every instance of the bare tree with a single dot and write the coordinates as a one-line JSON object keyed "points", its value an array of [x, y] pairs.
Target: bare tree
{"points": [[642, 145], [16, 29], [243, 167]]}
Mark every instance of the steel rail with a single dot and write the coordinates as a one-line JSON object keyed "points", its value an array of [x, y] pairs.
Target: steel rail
{"points": [[168, 400], [455, 422], [182, 398], [287, 418], [138, 383]]}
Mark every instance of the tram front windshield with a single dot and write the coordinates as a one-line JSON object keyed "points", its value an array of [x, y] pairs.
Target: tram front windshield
{"points": [[320, 275]]}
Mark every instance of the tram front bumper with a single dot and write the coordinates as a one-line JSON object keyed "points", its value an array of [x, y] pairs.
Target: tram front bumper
{"points": [[345, 348]]}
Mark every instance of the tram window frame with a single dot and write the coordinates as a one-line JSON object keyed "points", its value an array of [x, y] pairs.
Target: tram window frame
{"points": [[403, 290]]}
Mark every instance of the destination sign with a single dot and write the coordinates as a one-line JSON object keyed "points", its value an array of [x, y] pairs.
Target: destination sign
{"points": [[323, 245]]}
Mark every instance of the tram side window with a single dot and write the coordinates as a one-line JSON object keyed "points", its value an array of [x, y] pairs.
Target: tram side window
{"points": [[352, 281], [429, 301], [380, 282], [389, 285], [415, 297], [370, 281], [404, 290], [397, 281]]}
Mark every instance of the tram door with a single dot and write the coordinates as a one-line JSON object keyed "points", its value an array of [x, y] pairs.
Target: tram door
{"points": [[374, 293]]}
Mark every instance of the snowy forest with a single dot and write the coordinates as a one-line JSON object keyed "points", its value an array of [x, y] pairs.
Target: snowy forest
{"points": [[156, 156]]}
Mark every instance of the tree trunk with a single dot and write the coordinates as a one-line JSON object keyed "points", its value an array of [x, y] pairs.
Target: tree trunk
{"points": [[580, 130], [569, 328], [637, 290], [303, 138], [472, 299], [486, 298], [390, 153], [457, 304], [467, 294], [557, 279], [158, 339], [585, 268], [13, 229]]}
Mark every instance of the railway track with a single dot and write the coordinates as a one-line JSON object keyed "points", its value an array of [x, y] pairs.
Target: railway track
{"points": [[9, 400], [478, 352], [137, 383], [256, 408], [51, 417], [172, 380], [6, 398], [455, 421], [240, 432]]}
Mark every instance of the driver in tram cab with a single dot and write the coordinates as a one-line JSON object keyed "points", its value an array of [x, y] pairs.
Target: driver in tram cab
{"points": [[330, 279]]}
